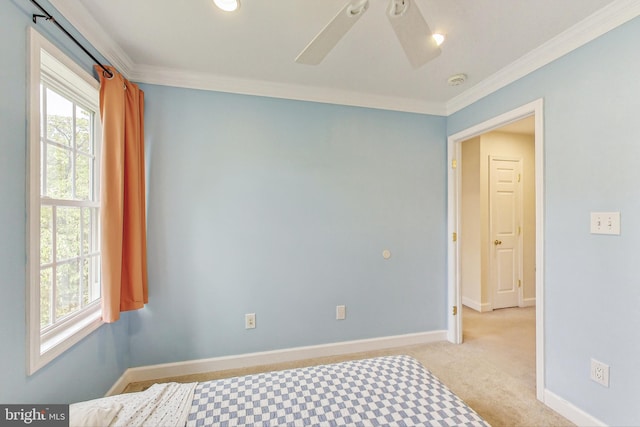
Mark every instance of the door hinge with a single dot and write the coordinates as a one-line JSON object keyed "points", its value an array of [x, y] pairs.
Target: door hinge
{"points": [[519, 283], [518, 177], [455, 310], [454, 164], [519, 230], [454, 237]]}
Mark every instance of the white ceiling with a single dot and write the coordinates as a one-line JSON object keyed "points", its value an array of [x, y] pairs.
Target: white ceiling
{"points": [[194, 44]]}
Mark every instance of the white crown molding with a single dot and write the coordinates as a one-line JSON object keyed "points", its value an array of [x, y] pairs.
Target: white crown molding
{"points": [[81, 19], [602, 21], [606, 19], [206, 81]]}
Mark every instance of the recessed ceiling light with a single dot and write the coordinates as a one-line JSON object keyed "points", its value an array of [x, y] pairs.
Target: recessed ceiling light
{"points": [[457, 79], [227, 5], [439, 38]]}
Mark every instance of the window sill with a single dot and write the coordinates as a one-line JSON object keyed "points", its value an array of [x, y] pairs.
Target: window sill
{"points": [[59, 340]]}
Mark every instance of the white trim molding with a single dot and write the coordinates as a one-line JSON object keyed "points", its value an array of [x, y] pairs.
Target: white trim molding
{"points": [[92, 31], [601, 22], [454, 149], [570, 411], [165, 370], [208, 81], [477, 305], [606, 19]]}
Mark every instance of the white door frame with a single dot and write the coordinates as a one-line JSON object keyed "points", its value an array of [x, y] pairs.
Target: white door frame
{"points": [[454, 150]]}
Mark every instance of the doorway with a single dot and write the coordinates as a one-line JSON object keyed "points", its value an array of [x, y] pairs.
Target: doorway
{"points": [[496, 233], [455, 212]]}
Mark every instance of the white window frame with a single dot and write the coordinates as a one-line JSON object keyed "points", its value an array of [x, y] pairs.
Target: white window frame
{"points": [[73, 81]]}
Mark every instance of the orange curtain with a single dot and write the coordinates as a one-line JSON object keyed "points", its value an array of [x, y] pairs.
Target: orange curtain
{"points": [[122, 195]]}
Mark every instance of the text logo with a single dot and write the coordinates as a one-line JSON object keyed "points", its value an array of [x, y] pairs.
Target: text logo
{"points": [[34, 415]]}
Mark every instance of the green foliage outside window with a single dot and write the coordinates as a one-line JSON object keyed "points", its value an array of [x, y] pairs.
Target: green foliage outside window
{"points": [[68, 252]]}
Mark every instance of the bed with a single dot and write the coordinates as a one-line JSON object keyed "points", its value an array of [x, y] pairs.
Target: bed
{"points": [[382, 391]]}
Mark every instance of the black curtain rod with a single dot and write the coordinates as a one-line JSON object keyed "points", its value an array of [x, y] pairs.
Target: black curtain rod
{"points": [[49, 17]]}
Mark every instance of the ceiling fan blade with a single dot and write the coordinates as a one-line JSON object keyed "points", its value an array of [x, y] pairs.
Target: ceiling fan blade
{"points": [[412, 32], [331, 34]]}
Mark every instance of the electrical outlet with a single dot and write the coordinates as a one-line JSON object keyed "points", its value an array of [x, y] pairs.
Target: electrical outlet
{"points": [[341, 312], [250, 321], [600, 372]]}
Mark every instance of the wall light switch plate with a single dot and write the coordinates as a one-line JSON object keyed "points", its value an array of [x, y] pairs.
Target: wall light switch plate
{"points": [[605, 223]]}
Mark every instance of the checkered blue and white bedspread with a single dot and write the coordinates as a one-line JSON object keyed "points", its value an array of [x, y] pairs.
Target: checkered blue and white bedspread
{"points": [[384, 391]]}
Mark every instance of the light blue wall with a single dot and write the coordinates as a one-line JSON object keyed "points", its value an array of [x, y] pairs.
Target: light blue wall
{"points": [[592, 153], [283, 208], [90, 368]]}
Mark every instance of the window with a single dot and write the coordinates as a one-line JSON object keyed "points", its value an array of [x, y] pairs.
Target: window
{"points": [[64, 209]]}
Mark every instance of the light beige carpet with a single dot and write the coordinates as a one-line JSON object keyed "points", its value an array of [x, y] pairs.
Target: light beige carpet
{"points": [[493, 371]]}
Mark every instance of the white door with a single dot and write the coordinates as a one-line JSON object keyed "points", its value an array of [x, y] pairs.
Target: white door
{"points": [[505, 211]]}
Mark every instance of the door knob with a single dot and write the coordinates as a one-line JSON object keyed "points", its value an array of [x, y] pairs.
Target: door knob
{"points": [[497, 242]]}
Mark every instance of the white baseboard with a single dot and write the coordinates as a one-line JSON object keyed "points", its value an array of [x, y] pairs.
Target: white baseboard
{"points": [[570, 411], [480, 307], [145, 373], [119, 386], [476, 305]]}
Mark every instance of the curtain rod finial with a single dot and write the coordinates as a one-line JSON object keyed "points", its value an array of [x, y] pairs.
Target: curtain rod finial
{"points": [[35, 17]]}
